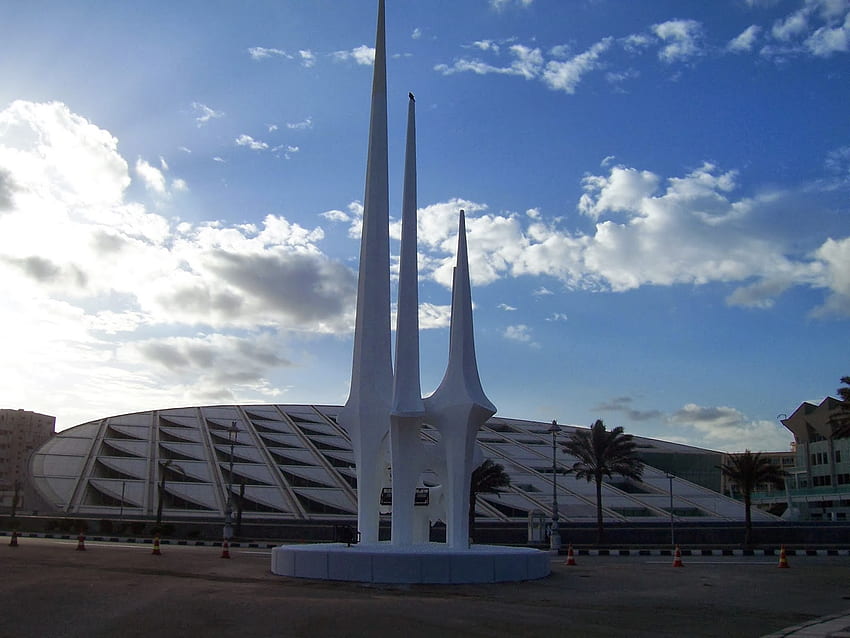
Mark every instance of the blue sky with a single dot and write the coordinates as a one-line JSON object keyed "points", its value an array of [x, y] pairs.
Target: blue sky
{"points": [[656, 196]]}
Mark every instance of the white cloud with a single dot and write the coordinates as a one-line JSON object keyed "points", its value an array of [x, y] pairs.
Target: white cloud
{"points": [[308, 58], [557, 316], [300, 126], [744, 41], [105, 286], [685, 230], [363, 54], [565, 76], [622, 190], [261, 53], [432, 316], [835, 257], [527, 63], [205, 113], [827, 40], [151, 176], [46, 151], [336, 216], [154, 178], [791, 26], [486, 45], [520, 333], [506, 307], [681, 38], [637, 42], [501, 5], [726, 428], [417, 33], [820, 28], [250, 142]]}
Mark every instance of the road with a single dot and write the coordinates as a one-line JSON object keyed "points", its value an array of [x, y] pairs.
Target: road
{"points": [[50, 590]]}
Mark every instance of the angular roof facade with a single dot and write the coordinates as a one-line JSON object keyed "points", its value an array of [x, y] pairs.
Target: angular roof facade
{"points": [[296, 463]]}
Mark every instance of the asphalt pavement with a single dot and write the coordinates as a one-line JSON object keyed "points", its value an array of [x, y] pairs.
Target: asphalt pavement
{"points": [[50, 589]]}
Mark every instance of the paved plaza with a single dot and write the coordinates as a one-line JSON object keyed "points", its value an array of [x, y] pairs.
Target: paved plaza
{"points": [[51, 590]]}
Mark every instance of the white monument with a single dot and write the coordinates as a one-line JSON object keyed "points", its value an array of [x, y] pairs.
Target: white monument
{"points": [[385, 409]]}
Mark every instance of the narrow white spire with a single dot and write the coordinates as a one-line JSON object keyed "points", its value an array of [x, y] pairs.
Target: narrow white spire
{"points": [[366, 413], [371, 374], [407, 405], [462, 368], [407, 390], [459, 407]]}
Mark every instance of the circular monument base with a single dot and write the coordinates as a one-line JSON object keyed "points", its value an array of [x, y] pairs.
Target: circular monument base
{"points": [[430, 563]]}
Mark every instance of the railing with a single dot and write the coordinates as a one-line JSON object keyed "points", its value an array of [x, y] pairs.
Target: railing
{"points": [[804, 491]]}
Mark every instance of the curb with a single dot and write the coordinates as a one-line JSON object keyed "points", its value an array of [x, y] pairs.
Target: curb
{"points": [[578, 552], [141, 541], [711, 552]]}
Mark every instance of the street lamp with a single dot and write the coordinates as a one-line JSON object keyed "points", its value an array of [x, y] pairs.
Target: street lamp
{"points": [[123, 489], [554, 535], [228, 508], [672, 529]]}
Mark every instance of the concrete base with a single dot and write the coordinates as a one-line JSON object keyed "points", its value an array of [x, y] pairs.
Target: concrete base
{"points": [[433, 563]]}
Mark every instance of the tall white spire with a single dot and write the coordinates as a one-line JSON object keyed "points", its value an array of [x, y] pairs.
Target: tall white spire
{"points": [[459, 407], [407, 391], [407, 406], [366, 413]]}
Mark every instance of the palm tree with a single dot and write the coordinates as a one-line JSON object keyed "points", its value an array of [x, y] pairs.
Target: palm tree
{"points": [[487, 478], [840, 419], [601, 452], [161, 491], [747, 470]]}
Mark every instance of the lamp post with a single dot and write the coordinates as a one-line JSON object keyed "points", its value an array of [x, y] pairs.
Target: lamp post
{"points": [[672, 529], [554, 535], [123, 489], [228, 508]]}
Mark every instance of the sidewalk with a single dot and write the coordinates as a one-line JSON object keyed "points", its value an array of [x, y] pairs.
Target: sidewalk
{"points": [[836, 626]]}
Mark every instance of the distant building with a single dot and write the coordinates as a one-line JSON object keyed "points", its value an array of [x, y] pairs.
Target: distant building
{"points": [[294, 462], [21, 433], [818, 483]]}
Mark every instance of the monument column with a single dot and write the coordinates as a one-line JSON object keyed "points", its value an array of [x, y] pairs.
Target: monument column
{"points": [[365, 415]]}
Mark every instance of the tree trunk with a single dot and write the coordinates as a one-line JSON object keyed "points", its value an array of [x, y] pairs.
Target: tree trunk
{"points": [[239, 506], [599, 528], [472, 515], [159, 504], [748, 523]]}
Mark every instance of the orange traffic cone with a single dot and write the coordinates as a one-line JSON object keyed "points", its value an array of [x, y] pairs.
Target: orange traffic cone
{"points": [[571, 559], [81, 543], [14, 541], [677, 558], [783, 559], [156, 551], [225, 549]]}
